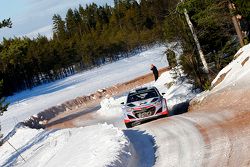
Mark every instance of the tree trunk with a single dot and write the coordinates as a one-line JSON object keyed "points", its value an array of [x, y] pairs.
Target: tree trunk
{"points": [[236, 24], [202, 57]]}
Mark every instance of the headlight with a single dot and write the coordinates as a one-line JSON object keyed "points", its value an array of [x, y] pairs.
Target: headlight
{"points": [[129, 109], [158, 104]]}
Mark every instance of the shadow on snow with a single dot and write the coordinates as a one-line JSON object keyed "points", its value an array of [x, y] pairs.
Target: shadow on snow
{"points": [[144, 145]]}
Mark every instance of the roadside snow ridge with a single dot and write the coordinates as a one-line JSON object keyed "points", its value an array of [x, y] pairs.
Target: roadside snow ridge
{"points": [[95, 146], [237, 72]]}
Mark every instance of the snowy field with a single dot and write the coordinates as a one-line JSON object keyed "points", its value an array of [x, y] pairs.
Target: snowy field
{"points": [[30, 102]]}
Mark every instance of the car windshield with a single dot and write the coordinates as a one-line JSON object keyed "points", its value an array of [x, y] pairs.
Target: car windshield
{"points": [[138, 96]]}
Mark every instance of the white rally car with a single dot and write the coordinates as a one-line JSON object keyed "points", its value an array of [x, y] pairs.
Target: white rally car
{"points": [[143, 104]]}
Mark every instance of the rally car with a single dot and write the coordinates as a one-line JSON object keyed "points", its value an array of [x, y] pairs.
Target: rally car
{"points": [[142, 104]]}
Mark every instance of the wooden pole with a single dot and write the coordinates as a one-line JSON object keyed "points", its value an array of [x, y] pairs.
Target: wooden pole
{"points": [[236, 24], [16, 151]]}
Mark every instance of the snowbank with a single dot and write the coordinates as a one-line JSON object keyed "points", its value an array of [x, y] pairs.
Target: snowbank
{"points": [[110, 113], [177, 89], [232, 77], [97, 145], [111, 107], [237, 72]]}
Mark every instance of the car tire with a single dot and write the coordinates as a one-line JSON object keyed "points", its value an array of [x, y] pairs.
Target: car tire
{"points": [[128, 125], [164, 116]]}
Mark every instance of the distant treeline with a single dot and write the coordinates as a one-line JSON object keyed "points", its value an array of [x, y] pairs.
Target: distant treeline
{"points": [[93, 35], [88, 36]]}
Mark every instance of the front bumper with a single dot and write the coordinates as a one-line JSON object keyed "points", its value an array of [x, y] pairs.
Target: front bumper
{"points": [[157, 114], [152, 111]]}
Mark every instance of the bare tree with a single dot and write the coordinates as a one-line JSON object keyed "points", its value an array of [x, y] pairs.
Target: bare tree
{"points": [[202, 57]]}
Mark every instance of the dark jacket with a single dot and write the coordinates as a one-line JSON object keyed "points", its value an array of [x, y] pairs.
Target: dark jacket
{"points": [[155, 72]]}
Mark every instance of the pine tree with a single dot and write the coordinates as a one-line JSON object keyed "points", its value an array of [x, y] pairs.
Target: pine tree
{"points": [[3, 105], [6, 23], [71, 24], [59, 29], [171, 57]]}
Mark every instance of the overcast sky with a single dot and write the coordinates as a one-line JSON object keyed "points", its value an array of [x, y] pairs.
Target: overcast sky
{"points": [[30, 17]]}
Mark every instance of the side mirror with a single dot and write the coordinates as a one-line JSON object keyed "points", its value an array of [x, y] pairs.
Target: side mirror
{"points": [[163, 94], [122, 103]]}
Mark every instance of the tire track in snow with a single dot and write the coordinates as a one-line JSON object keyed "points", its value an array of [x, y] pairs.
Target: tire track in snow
{"points": [[201, 139], [174, 138]]}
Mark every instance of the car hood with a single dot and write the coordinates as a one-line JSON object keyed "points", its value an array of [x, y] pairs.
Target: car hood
{"points": [[141, 103]]}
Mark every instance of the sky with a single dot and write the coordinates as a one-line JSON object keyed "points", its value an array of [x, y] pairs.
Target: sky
{"points": [[33, 17]]}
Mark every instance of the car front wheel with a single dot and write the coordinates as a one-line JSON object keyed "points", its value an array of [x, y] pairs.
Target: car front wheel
{"points": [[128, 125]]}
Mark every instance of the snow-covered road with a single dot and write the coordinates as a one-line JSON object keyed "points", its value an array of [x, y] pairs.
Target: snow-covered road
{"points": [[200, 139]]}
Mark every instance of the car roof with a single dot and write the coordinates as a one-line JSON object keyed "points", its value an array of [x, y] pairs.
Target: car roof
{"points": [[142, 89]]}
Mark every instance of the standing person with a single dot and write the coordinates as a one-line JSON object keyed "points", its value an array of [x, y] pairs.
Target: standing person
{"points": [[155, 71]]}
